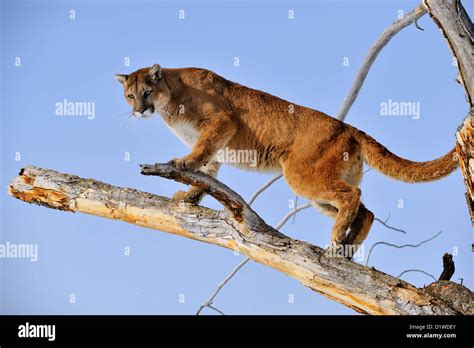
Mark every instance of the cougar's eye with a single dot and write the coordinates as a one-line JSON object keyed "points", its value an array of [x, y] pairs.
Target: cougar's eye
{"points": [[147, 93], [131, 96]]}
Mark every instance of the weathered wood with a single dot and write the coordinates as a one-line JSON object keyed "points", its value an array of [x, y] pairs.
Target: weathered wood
{"points": [[456, 27], [363, 289], [458, 296]]}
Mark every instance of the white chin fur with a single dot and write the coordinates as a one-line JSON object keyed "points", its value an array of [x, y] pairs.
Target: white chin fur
{"points": [[146, 113]]}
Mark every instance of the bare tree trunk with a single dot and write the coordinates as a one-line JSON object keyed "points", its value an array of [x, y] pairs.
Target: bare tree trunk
{"points": [[239, 228], [456, 27]]}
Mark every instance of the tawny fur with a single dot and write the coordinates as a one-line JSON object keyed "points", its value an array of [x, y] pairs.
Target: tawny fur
{"points": [[321, 158]]}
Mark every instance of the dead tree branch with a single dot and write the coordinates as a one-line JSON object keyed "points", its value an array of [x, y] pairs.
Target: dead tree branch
{"points": [[282, 222], [263, 188], [384, 223], [417, 271], [244, 261], [209, 302], [220, 286], [448, 269], [400, 246], [292, 213], [374, 51], [238, 228]]}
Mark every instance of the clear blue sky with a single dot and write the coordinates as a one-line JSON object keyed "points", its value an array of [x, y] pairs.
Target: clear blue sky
{"points": [[300, 60]]}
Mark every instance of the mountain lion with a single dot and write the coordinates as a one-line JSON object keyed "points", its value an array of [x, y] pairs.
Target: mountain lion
{"points": [[320, 157]]}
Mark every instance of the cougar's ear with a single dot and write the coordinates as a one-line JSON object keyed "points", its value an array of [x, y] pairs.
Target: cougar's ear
{"points": [[155, 72], [121, 78]]}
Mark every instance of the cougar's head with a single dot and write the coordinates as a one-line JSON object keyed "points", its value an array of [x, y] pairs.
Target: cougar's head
{"points": [[145, 90]]}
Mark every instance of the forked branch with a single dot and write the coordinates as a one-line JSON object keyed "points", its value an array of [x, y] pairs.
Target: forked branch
{"points": [[239, 228]]}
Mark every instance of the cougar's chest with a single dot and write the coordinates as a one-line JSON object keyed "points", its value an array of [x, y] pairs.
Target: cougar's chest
{"points": [[185, 132]]}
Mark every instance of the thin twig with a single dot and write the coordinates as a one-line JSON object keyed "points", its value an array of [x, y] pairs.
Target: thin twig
{"points": [[418, 27], [418, 271], [221, 285], [381, 41], [285, 219], [216, 309], [263, 188], [401, 246], [296, 206], [384, 223]]}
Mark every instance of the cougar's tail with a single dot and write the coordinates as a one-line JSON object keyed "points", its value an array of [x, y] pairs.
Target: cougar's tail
{"points": [[380, 158]]}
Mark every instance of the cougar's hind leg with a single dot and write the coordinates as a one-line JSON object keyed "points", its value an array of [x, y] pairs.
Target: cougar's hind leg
{"points": [[320, 184], [326, 209], [359, 229]]}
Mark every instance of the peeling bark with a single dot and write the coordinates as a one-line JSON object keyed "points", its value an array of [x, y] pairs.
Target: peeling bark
{"points": [[458, 297], [363, 289]]}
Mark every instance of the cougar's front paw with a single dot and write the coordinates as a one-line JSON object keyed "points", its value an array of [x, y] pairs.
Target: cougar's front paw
{"points": [[335, 249], [184, 163], [192, 196], [179, 196]]}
